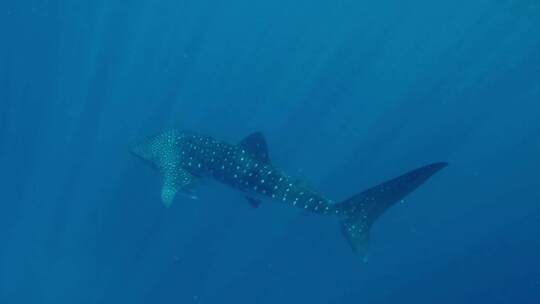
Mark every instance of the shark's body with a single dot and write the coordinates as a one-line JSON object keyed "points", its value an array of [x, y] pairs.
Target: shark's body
{"points": [[183, 157]]}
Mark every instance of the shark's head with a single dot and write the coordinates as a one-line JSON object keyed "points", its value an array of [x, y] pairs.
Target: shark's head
{"points": [[159, 150], [163, 152], [143, 149]]}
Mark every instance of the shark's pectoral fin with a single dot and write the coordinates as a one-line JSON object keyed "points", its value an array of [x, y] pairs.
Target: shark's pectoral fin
{"points": [[173, 181], [168, 192], [255, 203], [255, 144]]}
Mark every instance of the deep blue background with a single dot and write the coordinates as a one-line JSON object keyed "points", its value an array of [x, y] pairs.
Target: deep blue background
{"points": [[349, 93]]}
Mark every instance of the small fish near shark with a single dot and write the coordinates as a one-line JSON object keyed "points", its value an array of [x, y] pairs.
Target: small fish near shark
{"points": [[183, 157]]}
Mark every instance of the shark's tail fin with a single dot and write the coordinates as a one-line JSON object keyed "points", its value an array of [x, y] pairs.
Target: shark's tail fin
{"points": [[363, 209]]}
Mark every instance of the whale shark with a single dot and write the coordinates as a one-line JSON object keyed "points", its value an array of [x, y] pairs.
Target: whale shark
{"points": [[183, 157]]}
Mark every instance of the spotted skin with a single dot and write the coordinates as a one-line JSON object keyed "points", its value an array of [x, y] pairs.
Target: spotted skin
{"points": [[183, 157]]}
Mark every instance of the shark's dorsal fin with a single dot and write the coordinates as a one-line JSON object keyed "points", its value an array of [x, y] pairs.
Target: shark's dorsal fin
{"points": [[256, 145]]}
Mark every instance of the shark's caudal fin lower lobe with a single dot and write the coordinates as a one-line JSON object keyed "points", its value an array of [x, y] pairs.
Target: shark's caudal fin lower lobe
{"points": [[363, 209]]}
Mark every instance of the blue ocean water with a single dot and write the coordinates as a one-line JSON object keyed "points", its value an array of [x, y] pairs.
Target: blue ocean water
{"points": [[348, 94]]}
